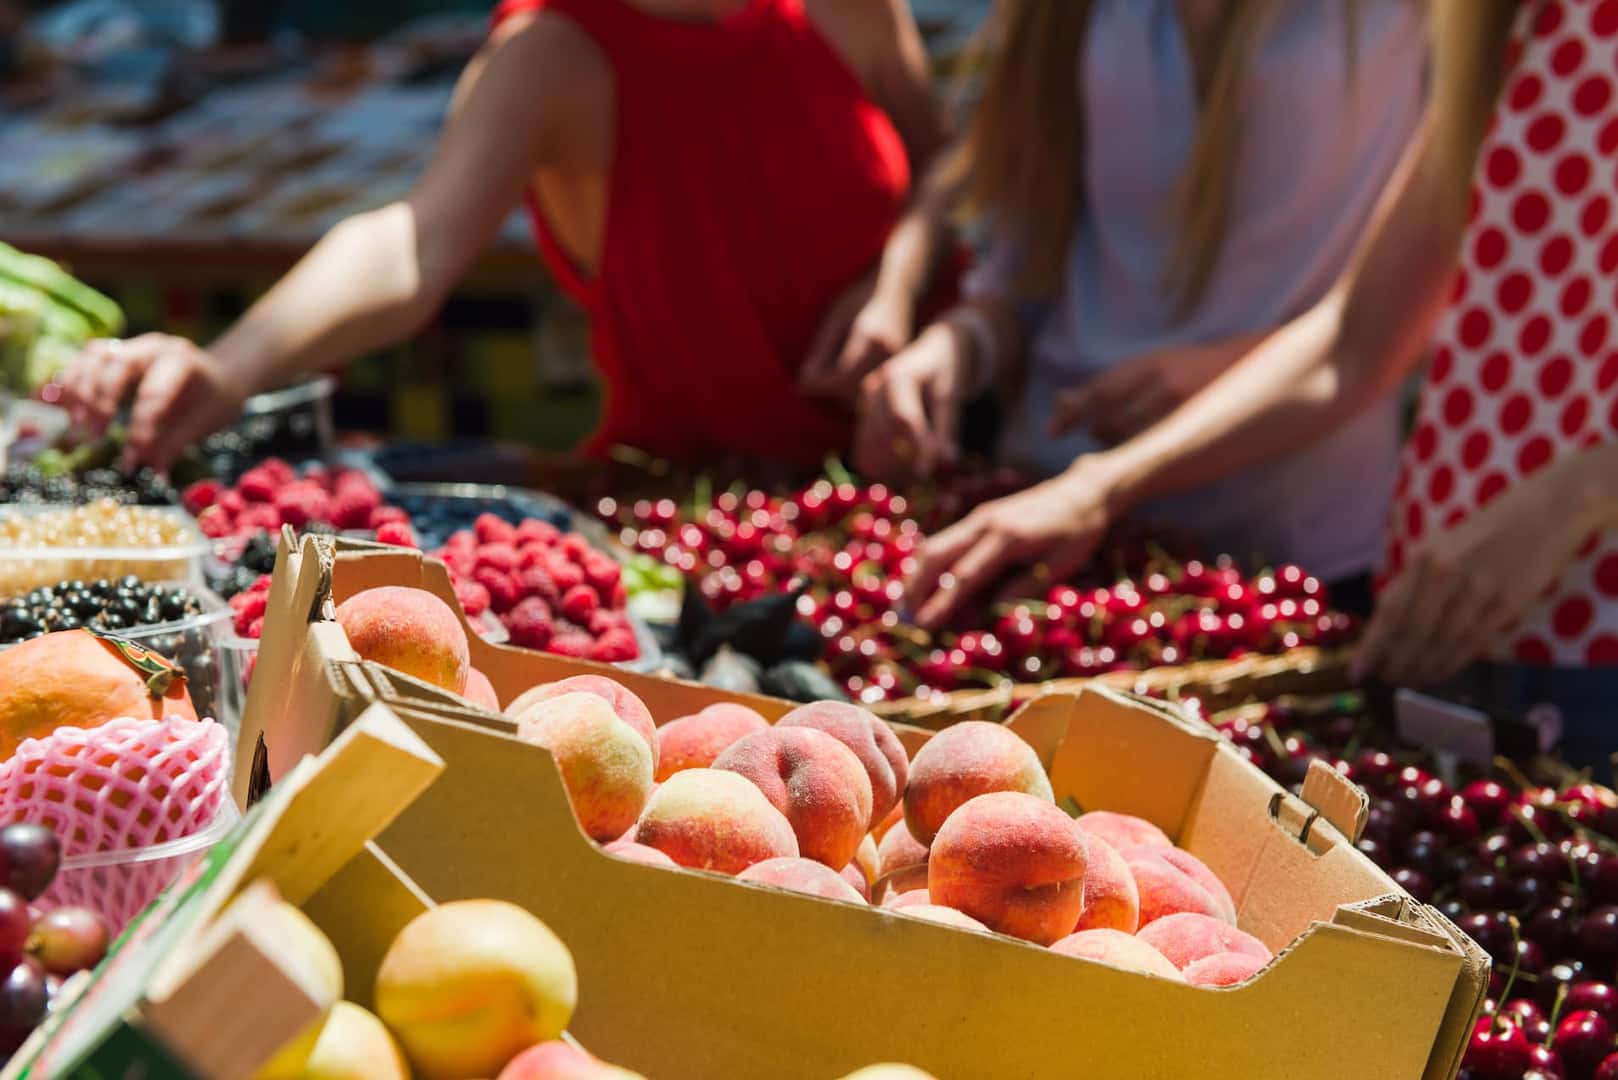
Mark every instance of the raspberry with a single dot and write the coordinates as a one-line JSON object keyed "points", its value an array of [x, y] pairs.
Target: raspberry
{"points": [[215, 523], [604, 620], [231, 502], [494, 530], [572, 643], [565, 574], [535, 531], [252, 605], [619, 597], [474, 598], [257, 485], [536, 582], [529, 624], [352, 508], [579, 603], [317, 474], [503, 590], [260, 517], [460, 563], [601, 572], [575, 547], [396, 533], [201, 495], [464, 540], [355, 479], [502, 557], [262, 584], [383, 514], [279, 471], [302, 503], [255, 629], [614, 647]]}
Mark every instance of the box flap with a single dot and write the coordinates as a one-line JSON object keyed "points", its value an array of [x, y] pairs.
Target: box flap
{"points": [[362, 909]]}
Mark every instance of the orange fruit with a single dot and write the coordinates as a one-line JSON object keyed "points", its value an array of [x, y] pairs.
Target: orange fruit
{"points": [[74, 678]]}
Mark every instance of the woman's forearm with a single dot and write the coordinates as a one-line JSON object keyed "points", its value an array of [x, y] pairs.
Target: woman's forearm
{"points": [[360, 288]]}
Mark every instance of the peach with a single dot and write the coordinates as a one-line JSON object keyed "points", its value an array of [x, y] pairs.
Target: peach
{"points": [[888, 1071], [633, 852], [814, 780], [1117, 949], [562, 1061], [880, 829], [624, 701], [1111, 899], [606, 766], [692, 742], [801, 875], [1014, 862], [938, 913], [908, 899], [470, 984], [871, 740], [710, 819], [409, 630], [856, 881], [962, 762], [1187, 937], [480, 691], [1224, 969], [1170, 880], [354, 1045], [1124, 831], [309, 948], [903, 858], [868, 860]]}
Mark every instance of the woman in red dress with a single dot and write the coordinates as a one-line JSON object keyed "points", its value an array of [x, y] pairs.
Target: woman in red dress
{"points": [[708, 178]]}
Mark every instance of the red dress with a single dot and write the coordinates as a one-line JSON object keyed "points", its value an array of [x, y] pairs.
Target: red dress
{"points": [[1525, 366], [753, 180]]}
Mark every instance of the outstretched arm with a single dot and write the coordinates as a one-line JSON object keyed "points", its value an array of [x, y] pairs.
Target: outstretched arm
{"points": [[375, 278]]}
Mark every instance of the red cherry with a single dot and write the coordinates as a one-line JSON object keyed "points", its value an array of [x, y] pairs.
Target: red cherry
{"points": [[1457, 821], [1608, 1069], [1583, 1039], [1527, 1014], [1598, 997], [1498, 1050], [1544, 1064]]}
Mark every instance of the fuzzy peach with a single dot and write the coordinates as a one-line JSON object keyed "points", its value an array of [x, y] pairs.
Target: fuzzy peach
{"points": [[409, 630], [632, 852], [801, 875], [1012, 861], [815, 781], [692, 742], [871, 740], [856, 881], [606, 766], [903, 858], [889, 1072], [1124, 831], [908, 899], [962, 762], [354, 1045], [710, 819], [868, 860], [896, 815], [562, 1061], [480, 691], [938, 913], [1167, 886], [1111, 899], [1224, 969], [1117, 949], [470, 984], [1187, 937], [624, 701]]}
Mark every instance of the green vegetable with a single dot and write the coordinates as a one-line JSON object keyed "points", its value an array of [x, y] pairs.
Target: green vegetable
{"points": [[101, 315]]}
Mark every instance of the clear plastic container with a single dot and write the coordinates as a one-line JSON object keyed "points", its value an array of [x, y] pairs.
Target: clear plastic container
{"points": [[26, 568], [120, 884]]}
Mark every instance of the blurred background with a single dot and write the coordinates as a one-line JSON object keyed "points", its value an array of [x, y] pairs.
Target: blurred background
{"points": [[179, 155]]}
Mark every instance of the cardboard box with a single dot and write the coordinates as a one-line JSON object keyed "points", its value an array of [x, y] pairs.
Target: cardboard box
{"points": [[686, 974]]}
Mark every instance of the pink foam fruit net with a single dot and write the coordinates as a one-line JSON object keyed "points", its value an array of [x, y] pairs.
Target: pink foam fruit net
{"points": [[125, 785]]}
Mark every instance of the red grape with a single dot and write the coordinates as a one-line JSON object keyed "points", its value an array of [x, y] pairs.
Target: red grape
{"points": [[69, 939], [29, 856], [22, 1003], [14, 921]]}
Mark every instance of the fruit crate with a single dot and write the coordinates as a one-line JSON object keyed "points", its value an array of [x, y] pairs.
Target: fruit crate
{"points": [[26, 567]]}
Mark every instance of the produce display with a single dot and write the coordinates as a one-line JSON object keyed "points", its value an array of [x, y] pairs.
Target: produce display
{"points": [[273, 493], [37, 482], [100, 540], [46, 317], [848, 547]]}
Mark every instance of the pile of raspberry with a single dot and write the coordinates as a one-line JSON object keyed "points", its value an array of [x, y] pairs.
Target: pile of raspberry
{"points": [[551, 590], [248, 607], [272, 494]]}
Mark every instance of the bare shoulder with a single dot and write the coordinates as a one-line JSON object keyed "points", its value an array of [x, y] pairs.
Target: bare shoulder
{"points": [[554, 51], [867, 33]]}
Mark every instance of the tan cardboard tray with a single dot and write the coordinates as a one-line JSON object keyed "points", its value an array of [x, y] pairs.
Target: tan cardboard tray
{"points": [[685, 974]]}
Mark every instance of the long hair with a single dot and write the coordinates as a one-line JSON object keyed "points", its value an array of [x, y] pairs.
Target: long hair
{"points": [[1023, 152]]}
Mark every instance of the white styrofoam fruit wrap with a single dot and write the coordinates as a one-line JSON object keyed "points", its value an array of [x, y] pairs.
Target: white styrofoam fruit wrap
{"points": [[125, 798]]}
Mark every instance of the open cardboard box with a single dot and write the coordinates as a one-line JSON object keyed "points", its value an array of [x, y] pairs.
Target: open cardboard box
{"points": [[687, 974]]}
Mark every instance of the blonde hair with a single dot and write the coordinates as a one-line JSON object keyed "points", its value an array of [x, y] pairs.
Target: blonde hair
{"points": [[1023, 151]]}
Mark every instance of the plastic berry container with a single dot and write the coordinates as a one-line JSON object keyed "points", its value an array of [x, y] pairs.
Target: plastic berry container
{"points": [[26, 565]]}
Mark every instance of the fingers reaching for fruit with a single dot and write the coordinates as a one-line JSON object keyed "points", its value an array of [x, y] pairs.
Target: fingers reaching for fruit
{"points": [[909, 408], [860, 332]]}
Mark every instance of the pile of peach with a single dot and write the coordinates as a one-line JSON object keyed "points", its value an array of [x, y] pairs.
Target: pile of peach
{"points": [[826, 802]]}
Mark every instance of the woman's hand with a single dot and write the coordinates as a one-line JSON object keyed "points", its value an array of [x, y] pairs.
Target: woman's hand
{"points": [[1462, 589], [860, 331], [909, 408], [1130, 398], [180, 394], [1053, 527]]}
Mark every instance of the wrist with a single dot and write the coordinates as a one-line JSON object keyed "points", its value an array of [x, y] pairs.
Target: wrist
{"points": [[1115, 478]]}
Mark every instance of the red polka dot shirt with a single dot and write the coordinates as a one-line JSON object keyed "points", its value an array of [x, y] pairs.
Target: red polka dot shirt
{"points": [[1525, 365]]}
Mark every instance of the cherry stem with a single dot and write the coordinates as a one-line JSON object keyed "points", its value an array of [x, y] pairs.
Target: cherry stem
{"points": [[1556, 1011], [1511, 976]]}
